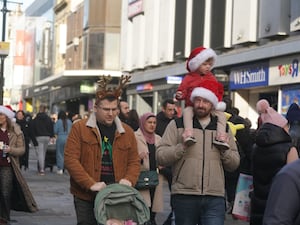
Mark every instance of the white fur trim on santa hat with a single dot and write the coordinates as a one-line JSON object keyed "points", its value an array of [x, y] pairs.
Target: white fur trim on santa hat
{"points": [[10, 114], [201, 57], [204, 93], [221, 106]]}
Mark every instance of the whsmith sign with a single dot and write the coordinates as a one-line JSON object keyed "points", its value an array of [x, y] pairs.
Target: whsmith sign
{"points": [[251, 75]]}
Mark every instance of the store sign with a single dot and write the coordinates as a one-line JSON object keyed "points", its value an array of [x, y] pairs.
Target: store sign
{"points": [[173, 79], [254, 75], [144, 87], [4, 48], [87, 87], [285, 70]]}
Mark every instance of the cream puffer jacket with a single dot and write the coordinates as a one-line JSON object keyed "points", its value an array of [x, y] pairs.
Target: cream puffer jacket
{"points": [[198, 169]]}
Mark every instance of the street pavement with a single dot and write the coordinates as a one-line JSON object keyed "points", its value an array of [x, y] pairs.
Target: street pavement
{"points": [[55, 203]]}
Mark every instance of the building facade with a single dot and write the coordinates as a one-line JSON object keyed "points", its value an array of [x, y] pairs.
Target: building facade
{"points": [[257, 42], [86, 45]]}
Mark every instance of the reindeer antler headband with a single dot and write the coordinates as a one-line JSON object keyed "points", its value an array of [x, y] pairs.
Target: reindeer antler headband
{"points": [[103, 90]]}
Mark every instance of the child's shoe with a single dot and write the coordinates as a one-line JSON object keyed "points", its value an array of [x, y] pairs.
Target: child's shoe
{"points": [[188, 137], [221, 145], [221, 142]]}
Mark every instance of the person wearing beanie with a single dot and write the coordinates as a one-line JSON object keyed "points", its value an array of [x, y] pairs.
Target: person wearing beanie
{"points": [[199, 64], [11, 147], [198, 170], [272, 150], [293, 117]]}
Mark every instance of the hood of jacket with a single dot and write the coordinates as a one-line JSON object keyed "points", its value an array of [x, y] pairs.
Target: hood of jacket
{"points": [[270, 134], [41, 116]]}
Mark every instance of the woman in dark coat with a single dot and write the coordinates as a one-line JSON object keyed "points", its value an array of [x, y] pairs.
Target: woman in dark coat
{"points": [[24, 122], [273, 149]]}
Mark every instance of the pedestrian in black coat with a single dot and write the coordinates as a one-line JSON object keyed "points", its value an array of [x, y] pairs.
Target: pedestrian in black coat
{"points": [[23, 121]]}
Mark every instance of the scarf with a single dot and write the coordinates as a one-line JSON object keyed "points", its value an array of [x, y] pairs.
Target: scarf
{"points": [[150, 137]]}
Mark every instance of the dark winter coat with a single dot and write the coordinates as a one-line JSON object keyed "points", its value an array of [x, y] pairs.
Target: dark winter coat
{"points": [[42, 125], [269, 155], [161, 123], [283, 205]]}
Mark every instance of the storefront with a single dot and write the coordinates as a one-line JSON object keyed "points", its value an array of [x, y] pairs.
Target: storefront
{"points": [[248, 83], [286, 74], [149, 96], [276, 80]]}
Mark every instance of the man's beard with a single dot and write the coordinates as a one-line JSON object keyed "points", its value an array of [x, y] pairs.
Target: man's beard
{"points": [[201, 112]]}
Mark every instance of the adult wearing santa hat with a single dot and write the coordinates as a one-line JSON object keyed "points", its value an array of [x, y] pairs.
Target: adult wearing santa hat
{"points": [[199, 168], [11, 147]]}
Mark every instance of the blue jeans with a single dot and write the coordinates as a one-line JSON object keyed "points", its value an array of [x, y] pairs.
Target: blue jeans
{"points": [[202, 210], [60, 149]]}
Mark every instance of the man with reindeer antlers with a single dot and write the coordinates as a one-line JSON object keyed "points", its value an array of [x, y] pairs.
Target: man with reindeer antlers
{"points": [[100, 150]]}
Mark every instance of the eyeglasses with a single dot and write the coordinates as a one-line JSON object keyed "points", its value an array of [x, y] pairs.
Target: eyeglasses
{"points": [[108, 110]]}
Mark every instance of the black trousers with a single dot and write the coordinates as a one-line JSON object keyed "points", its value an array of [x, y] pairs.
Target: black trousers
{"points": [[84, 212], [6, 185]]}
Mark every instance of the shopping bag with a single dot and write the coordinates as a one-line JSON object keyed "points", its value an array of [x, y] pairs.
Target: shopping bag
{"points": [[241, 206]]}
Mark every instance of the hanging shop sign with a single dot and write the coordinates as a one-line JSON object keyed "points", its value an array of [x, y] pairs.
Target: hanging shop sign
{"points": [[252, 75]]}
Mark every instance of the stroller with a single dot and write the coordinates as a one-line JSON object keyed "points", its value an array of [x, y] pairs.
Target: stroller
{"points": [[120, 202]]}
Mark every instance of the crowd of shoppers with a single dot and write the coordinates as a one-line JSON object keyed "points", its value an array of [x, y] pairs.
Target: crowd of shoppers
{"points": [[198, 154]]}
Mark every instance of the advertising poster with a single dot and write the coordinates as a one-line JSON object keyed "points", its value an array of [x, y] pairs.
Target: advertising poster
{"points": [[289, 96]]}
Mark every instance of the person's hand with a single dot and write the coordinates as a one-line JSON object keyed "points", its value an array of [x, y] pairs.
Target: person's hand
{"points": [[125, 182], [144, 155], [6, 148], [98, 186], [179, 94]]}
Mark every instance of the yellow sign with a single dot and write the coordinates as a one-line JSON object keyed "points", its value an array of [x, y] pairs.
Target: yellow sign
{"points": [[4, 48]]}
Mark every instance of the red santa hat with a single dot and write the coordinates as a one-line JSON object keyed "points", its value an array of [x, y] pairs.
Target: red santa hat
{"points": [[7, 110], [212, 91], [198, 56]]}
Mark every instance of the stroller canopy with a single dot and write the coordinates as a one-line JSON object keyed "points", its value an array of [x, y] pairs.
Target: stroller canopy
{"points": [[122, 202]]}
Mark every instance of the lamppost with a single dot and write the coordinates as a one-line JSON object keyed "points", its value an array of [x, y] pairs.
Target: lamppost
{"points": [[4, 46], [4, 10]]}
